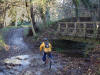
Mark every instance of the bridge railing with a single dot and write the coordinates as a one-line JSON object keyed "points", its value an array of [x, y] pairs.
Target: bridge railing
{"points": [[79, 29]]}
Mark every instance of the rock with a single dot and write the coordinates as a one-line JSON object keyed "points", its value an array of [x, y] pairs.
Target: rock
{"points": [[28, 73], [8, 67], [18, 60], [22, 57], [12, 61]]}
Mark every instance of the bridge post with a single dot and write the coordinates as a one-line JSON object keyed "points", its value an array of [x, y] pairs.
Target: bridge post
{"points": [[84, 31], [97, 26], [95, 31], [75, 24], [58, 29], [66, 29]]}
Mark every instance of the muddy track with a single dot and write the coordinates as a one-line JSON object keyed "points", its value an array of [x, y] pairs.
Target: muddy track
{"points": [[27, 53]]}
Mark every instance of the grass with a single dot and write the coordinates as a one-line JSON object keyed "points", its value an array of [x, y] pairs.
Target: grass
{"points": [[24, 26]]}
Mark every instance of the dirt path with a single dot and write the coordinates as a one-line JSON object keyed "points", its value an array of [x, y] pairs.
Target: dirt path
{"points": [[21, 52], [24, 59]]}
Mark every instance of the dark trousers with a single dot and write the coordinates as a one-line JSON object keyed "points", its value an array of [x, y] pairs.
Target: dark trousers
{"points": [[45, 54]]}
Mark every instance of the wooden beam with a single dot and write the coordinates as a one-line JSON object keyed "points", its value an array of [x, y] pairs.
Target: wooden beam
{"points": [[58, 29]]}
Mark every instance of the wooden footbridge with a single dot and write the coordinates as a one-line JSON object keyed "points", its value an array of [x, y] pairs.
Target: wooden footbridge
{"points": [[79, 29]]}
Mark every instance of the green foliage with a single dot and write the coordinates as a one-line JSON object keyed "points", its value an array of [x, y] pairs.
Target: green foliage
{"points": [[1, 1], [12, 13], [42, 7], [76, 2], [86, 3]]}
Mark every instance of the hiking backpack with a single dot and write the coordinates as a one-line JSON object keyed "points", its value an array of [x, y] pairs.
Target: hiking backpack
{"points": [[46, 44]]}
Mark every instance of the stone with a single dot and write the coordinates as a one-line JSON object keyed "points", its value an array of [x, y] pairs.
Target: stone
{"points": [[8, 67], [28, 73], [17, 60]]}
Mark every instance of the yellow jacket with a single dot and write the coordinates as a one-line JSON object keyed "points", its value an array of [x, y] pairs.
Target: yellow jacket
{"points": [[42, 47]]}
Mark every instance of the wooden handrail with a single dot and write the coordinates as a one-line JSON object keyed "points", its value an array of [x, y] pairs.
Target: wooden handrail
{"points": [[80, 22], [77, 30]]}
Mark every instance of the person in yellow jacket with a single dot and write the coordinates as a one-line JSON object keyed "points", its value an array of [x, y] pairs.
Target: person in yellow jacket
{"points": [[47, 48]]}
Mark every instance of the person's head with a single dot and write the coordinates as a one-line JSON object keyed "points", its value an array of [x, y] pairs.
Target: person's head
{"points": [[45, 39]]}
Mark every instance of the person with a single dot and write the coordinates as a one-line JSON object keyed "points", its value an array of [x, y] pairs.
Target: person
{"points": [[47, 48]]}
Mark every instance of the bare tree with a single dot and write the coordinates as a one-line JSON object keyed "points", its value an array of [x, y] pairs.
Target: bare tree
{"points": [[32, 18], [4, 15], [26, 5]]}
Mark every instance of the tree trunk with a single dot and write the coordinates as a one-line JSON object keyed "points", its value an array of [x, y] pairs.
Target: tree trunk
{"points": [[4, 15], [4, 24], [76, 3], [42, 15], [99, 9], [77, 13], [47, 14], [32, 20], [16, 20], [26, 5]]}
